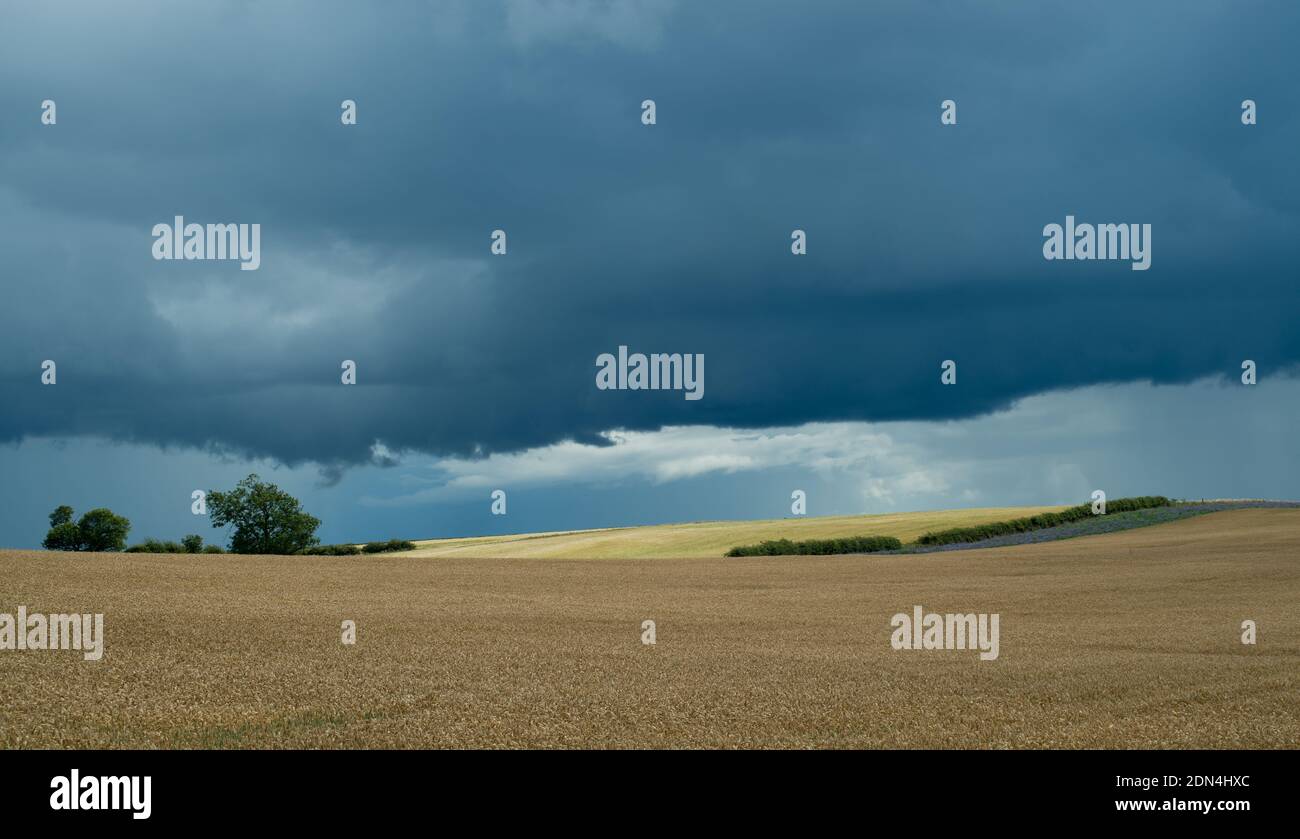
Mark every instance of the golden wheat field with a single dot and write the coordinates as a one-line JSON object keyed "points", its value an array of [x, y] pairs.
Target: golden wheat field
{"points": [[711, 538], [1121, 640]]}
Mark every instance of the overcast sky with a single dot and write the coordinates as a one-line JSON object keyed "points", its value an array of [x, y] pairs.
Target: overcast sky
{"points": [[477, 372]]}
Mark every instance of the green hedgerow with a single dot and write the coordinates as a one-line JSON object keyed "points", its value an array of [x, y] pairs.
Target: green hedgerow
{"points": [[819, 547], [979, 532]]}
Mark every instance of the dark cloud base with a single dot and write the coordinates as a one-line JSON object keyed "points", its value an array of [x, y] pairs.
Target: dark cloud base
{"points": [[924, 240]]}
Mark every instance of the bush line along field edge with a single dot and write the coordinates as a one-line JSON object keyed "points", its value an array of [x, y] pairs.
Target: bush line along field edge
{"points": [[955, 535]]}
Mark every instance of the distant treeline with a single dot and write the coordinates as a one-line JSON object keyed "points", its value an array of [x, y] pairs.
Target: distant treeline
{"points": [[391, 546], [263, 518], [956, 535], [192, 544], [978, 532], [819, 547]]}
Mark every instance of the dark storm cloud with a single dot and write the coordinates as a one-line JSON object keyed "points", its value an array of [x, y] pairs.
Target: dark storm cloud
{"points": [[924, 241]]}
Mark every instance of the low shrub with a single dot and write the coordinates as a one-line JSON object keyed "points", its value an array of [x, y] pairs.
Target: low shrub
{"points": [[819, 547], [330, 550], [353, 550], [389, 546], [191, 544], [980, 532], [156, 546]]}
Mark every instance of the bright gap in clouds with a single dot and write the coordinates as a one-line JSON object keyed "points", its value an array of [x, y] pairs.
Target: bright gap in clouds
{"points": [[1212, 438], [1051, 448]]}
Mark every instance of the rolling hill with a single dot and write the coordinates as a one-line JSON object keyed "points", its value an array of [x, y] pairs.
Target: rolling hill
{"points": [[697, 540]]}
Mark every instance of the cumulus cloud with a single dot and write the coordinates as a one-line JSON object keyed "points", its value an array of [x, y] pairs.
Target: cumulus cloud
{"points": [[670, 454]]}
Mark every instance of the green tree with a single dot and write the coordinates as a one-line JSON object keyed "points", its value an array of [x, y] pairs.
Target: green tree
{"points": [[61, 515], [65, 536], [266, 519], [103, 530], [193, 543]]}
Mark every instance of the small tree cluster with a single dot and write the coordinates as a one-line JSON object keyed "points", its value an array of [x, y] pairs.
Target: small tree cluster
{"points": [[98, 530], [265, 519]]}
